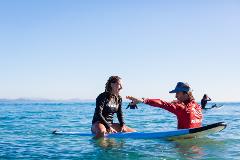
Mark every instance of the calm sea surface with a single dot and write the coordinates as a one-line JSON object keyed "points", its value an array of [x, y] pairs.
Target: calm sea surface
{"points": [[25, 133]]}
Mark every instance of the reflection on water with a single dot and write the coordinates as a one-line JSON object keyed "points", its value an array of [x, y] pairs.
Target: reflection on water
{"points": [[190, 150], [108, 143], [199, 148], [196, 148]]}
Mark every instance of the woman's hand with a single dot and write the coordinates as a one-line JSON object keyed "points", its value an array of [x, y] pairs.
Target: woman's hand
{"points": [[111, 130], [135, 100]]}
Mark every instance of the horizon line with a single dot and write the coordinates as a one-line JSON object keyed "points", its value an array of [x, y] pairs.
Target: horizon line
{"points": [[80, 100]]}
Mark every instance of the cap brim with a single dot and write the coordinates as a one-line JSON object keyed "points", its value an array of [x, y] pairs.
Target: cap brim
{"points": [[173, 91], [180, 90]]}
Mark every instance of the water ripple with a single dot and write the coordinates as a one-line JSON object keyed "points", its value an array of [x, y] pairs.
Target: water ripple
{"points": [[26, 134]]}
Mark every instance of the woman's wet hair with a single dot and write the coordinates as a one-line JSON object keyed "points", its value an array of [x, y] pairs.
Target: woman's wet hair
{"points": [[112, 79], [190, 95], [204, 96]]}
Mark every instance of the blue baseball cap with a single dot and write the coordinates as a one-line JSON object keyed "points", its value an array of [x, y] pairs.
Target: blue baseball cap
{"points": [[181, 87]]}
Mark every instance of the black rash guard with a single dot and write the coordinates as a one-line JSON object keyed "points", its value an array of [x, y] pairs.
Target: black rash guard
{"points": [[106, 105], [204, 102]]}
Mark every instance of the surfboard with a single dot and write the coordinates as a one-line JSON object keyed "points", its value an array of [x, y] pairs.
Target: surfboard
{"points": [[170, 135], [215, 106]]}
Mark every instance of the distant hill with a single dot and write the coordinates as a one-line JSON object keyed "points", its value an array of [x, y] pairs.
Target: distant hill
{"points": [[45, 100]]}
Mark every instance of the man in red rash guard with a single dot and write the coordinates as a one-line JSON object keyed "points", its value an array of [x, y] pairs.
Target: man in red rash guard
{"points": [[188, 112]]}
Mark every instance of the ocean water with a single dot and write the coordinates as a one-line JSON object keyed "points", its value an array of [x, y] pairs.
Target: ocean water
{"points": [[26, 126]]}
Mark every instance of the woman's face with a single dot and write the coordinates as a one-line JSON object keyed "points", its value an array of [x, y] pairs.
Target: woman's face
{"points": [[181, 96], [116, 87]]}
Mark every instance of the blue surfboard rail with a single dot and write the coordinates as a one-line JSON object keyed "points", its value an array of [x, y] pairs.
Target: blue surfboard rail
{"points": [[153, 135], [144, 135]]}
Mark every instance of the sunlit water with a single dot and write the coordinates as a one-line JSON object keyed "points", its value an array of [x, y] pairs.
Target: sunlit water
{"points": [[25, 133]]}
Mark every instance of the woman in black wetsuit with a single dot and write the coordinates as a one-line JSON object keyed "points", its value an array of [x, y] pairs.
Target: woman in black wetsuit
{"points": [[204, 101], [108, 103]]}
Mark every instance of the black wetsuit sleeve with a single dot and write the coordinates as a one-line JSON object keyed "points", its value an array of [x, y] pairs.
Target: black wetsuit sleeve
{"points": [[120, 114], [99, 110]]}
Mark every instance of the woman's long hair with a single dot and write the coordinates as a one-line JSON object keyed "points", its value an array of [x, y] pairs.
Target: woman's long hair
{"points": [[112, 79], [190, 95], [108, 89]]}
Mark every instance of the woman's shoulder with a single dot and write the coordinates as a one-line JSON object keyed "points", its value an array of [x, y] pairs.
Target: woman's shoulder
{"points": [[102, 95]]}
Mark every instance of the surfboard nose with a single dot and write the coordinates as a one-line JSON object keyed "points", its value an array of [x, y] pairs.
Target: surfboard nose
{"points": [[223, 124]]}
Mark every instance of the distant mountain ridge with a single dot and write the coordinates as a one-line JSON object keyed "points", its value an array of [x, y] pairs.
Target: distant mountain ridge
{"points": [[45, 100]]}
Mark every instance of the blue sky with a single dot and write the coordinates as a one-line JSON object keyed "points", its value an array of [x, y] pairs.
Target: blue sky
{"points": [[67, 49]]}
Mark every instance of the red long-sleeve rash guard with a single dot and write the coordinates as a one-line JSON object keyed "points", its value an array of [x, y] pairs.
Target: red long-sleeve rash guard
{"points": [[189, 115]]}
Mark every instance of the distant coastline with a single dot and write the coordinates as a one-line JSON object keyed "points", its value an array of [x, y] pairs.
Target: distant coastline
{"points": [[44, 100], [77, 100]]}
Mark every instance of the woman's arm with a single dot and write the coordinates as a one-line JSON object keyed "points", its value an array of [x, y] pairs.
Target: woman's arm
{"points": [[99, 108], [171, 107]]}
